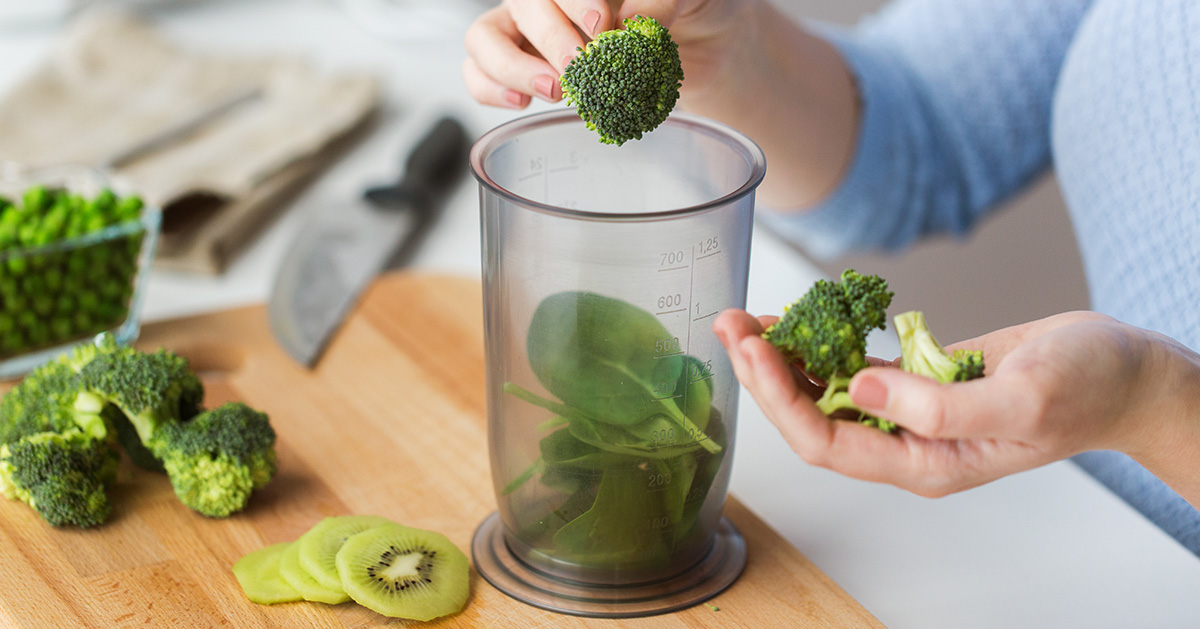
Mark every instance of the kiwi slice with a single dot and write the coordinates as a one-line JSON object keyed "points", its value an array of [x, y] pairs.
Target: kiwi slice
{"points": [[258, 574], [304, 583], [404, 572], [319, 546]]}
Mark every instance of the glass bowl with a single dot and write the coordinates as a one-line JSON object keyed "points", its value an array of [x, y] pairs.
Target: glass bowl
{"points": [[57, 295]]}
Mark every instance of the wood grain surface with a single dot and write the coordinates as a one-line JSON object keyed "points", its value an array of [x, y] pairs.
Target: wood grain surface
{"points": [[391, 422]]}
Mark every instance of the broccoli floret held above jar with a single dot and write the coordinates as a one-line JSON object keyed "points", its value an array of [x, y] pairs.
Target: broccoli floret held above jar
{"points": [[625, 82]]}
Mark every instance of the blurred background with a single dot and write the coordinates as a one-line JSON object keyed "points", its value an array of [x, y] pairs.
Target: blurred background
{"points": [[1021, 263]]}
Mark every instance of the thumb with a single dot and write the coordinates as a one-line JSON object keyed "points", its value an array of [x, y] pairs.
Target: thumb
{"points": [[958, 410]]}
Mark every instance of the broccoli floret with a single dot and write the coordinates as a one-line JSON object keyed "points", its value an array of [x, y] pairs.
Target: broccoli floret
{"points": [[214, 459], [624, 83], [63, 476], [920, 353], [55, 458], [84, 353], [826, 330], [218, 458], [44, 402]]}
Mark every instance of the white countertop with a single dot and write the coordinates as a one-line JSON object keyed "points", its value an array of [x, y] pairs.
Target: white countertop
{"points": [[1046, 548]]}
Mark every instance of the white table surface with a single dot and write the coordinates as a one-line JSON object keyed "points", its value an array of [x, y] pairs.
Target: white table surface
{"points": [[1046, 548]]}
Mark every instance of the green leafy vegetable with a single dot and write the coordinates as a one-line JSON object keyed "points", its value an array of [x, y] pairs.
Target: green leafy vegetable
{"points": [[633, 445]]}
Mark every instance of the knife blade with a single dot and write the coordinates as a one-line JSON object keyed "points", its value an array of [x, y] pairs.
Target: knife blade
{"points": [[337, 254]]}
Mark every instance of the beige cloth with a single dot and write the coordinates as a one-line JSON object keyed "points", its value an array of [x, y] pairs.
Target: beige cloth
{"points": [[114, 83]]}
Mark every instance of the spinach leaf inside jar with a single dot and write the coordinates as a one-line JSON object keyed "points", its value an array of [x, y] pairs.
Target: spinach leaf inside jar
{"points": [[632, 443]]}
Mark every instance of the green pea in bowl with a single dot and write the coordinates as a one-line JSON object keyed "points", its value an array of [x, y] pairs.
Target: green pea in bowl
{"points": [[74, 260]]}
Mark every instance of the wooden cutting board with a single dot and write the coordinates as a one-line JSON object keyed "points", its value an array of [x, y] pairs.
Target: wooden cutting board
{"points": [[391, 422]]}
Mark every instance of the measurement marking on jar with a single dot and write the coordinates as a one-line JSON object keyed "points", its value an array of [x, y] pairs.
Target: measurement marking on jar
{"points": [[708, 377], [666, 312], [668, 355], [709, 255], [674, 268], [711, 314], [668, 397]]}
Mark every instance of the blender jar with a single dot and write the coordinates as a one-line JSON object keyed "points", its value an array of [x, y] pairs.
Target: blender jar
{"points": [[611, 404]]}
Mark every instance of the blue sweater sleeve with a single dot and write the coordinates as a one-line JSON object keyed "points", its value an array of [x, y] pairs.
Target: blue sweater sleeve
{"points": [[955, 116]]}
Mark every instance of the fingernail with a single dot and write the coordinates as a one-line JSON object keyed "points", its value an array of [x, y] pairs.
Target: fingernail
{"points": [[869, 393], [544, 86], [514, 98], [591, 18]]}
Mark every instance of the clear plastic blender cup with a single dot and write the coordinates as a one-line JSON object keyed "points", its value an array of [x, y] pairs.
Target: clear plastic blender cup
{"points": [[611, 404]]}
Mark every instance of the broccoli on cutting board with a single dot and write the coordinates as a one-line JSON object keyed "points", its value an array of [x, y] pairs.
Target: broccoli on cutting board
{"points": [[63, 476], [52, 458], [625, 82], [215, 458], [61, 427]]}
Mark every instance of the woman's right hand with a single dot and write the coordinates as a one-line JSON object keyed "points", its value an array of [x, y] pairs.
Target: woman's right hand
{"points": [[519, 49]]}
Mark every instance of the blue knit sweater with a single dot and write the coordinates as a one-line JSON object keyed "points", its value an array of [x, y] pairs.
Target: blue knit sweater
{"points": [[966, 101]]}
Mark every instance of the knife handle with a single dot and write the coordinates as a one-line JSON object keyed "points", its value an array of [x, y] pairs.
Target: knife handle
{"points": [[437, 152], [436, 161]]}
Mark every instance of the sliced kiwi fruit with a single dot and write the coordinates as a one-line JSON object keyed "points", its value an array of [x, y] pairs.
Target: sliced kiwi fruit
{"points": [[319, 546], [404, 572], [304, 583], [258, 574]]}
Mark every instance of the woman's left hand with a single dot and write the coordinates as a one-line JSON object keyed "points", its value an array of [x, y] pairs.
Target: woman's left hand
{"points": [[1054, 387]]}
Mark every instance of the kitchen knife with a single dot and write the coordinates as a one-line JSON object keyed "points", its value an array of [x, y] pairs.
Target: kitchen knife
{"points": [[337, 254]]}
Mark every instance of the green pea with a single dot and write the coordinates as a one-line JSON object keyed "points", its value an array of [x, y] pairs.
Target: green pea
{"points": [[33, 284], [26, 319], [61, 328], [17, 265], [99, 255], [43, 305], [12, 342], [16, 304], [134, 244], [84, 322], [9, 286], [104, 203], [89, 301], [129, 208], [29, 234], [94, 223], [38, 334], [8, 236], [36, 198], [110, 314], [78, 263]]}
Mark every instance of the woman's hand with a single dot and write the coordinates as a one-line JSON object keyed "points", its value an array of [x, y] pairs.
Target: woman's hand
{"points": [[1054, 387], [744, 64], [519, 49]]}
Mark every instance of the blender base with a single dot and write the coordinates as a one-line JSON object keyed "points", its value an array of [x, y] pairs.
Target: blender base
{"points": [[716, 571]]}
